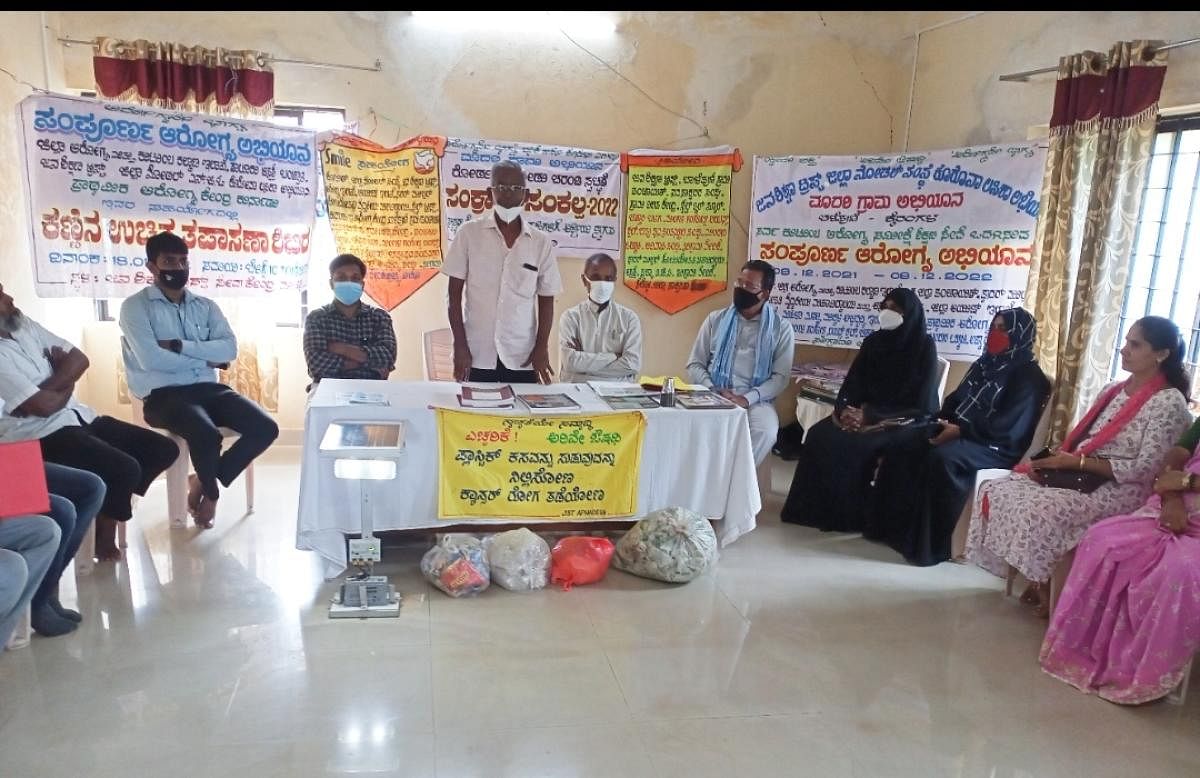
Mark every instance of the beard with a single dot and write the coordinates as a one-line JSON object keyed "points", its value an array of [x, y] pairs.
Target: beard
{"points": [[11, 322]]}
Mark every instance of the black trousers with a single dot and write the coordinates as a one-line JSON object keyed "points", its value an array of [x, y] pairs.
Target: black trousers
{"points": [[196, 412], [127, 457], [502, 375]]}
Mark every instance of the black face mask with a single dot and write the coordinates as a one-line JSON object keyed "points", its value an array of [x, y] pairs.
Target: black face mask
{"points": [[743, 299], [174, 279]]}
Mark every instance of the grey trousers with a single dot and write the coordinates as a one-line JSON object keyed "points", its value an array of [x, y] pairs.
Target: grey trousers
{"points": [[27, 547]]}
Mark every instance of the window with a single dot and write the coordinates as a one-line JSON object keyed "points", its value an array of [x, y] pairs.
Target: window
{"points": [[1164, 271], [284, 308]]}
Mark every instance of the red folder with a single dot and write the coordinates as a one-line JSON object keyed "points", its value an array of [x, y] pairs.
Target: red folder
{"points": [[22, 479]]}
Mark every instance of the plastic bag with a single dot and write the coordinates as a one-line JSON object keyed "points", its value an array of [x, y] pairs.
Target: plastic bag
{"points": [[673, 545], [457, 565], [580, 560], [519, 559]]}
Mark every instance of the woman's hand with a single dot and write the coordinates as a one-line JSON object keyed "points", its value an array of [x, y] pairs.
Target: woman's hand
{"points": [[949, 432], [1173, 515], [1056, 461], [850, 419], [1171, 481]]}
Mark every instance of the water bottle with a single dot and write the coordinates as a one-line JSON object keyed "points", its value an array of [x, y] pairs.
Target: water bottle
{"points": [[667, 399]]}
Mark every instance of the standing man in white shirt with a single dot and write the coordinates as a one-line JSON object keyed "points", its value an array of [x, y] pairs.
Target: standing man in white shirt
{"points": [[744, 353], [508, 271], [600, 339]]}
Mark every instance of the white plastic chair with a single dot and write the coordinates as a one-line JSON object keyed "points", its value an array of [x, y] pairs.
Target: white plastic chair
{"points": [[22, 632], [177, 476], [438, 348], [959, 542], [943, 374]]}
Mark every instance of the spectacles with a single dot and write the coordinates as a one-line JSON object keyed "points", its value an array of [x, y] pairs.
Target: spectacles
{"points": [[748, 288], [514, 188]]}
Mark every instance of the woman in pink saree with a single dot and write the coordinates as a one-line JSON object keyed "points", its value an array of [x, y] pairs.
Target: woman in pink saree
{"points": [[1128, 621]]}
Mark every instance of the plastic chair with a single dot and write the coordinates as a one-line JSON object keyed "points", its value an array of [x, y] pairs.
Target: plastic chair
{"points": [[439, 355], [177, 476]]}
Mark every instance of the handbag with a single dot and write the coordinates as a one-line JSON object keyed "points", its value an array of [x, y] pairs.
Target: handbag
{"points": [[1081, 481]]}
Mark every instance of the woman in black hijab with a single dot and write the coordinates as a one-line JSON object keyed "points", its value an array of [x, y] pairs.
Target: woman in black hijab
{"points": [[988, 421], [894, 376]]}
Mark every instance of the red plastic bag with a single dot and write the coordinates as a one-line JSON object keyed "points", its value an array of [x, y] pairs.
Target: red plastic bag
{"points": [[579, 560]]}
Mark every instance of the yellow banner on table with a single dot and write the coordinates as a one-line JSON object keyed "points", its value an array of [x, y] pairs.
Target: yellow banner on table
{"points": [[507, 467]]}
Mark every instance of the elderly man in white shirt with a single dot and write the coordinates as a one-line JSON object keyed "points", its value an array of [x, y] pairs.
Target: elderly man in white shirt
{"points": [[503, 279], [38, 373], [600, 339], [744, 353]]}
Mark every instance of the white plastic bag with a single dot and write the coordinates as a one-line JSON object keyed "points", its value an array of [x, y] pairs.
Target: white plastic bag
{"points": [[457, 565], [673, 545], [520, 560]]}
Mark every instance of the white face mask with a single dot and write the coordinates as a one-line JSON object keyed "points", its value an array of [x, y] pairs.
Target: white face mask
{"points": [[508, 215], [889, 319], [602, 291]]}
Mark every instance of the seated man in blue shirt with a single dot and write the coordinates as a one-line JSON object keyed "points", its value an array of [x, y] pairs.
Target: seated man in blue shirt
{"points": [[172, 342]]}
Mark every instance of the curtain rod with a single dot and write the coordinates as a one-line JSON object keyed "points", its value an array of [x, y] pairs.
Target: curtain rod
{"points": [[377, 67], [1025, 74]]}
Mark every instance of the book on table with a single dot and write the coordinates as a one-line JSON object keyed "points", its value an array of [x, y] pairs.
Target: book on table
{"points": [[637, 402], [498, 396], [702, 401], [549, 403]]}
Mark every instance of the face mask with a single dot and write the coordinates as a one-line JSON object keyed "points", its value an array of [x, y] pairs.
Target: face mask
{"points": [[173, 279], [998, 342], [743, 299], [508, 215], [602, 291], [347, 292], [889, 319]]}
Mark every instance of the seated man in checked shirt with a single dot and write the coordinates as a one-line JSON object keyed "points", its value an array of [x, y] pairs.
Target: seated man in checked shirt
{"points": [[348, 338]]}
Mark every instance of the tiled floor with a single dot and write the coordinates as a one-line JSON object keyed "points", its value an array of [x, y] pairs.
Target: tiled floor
{"points": [[800, 654]]}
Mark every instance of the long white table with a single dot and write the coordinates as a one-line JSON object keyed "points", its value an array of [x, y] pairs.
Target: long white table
{"points": [[698, 459]]}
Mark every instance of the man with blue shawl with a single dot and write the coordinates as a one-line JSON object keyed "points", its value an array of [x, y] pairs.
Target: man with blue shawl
{"points": [[744, 353]]}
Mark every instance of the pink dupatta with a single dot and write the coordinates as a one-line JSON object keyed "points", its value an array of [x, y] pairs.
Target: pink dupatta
{"points": [[1113, 428]]}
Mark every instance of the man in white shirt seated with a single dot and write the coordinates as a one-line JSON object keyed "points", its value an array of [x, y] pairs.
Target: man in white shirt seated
{"points": [[38, 372], [503, 279], [744, 353], [600, 340]]}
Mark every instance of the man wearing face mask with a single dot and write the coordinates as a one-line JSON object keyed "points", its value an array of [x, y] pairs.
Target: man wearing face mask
{"points": [[744, 353], [348, 338], [503, 279], [600, 340], [172, 342]]}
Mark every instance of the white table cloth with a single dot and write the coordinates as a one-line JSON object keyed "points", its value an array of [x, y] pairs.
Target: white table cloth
{"points": [[698, 459]]}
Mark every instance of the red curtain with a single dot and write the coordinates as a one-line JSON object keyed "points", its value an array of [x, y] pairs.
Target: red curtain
{"points": [[190, 78]]}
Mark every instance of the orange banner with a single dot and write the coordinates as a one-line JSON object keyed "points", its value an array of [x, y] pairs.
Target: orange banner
{"points": [[384, 207]]}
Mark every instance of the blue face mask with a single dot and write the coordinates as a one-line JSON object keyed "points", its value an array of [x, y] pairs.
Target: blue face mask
{"points": [[347, 292]]}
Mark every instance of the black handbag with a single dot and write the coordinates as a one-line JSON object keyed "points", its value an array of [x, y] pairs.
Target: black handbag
{"points": [[1077, 480]]}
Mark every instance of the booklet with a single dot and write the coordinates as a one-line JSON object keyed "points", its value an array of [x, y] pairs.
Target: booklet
{"points": [[497, 396], [632, 403], [549, 403], [702, 400]]}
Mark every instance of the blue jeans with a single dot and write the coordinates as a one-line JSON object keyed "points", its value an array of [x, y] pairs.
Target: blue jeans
{"points": [[27, 547], [75, 499]]}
